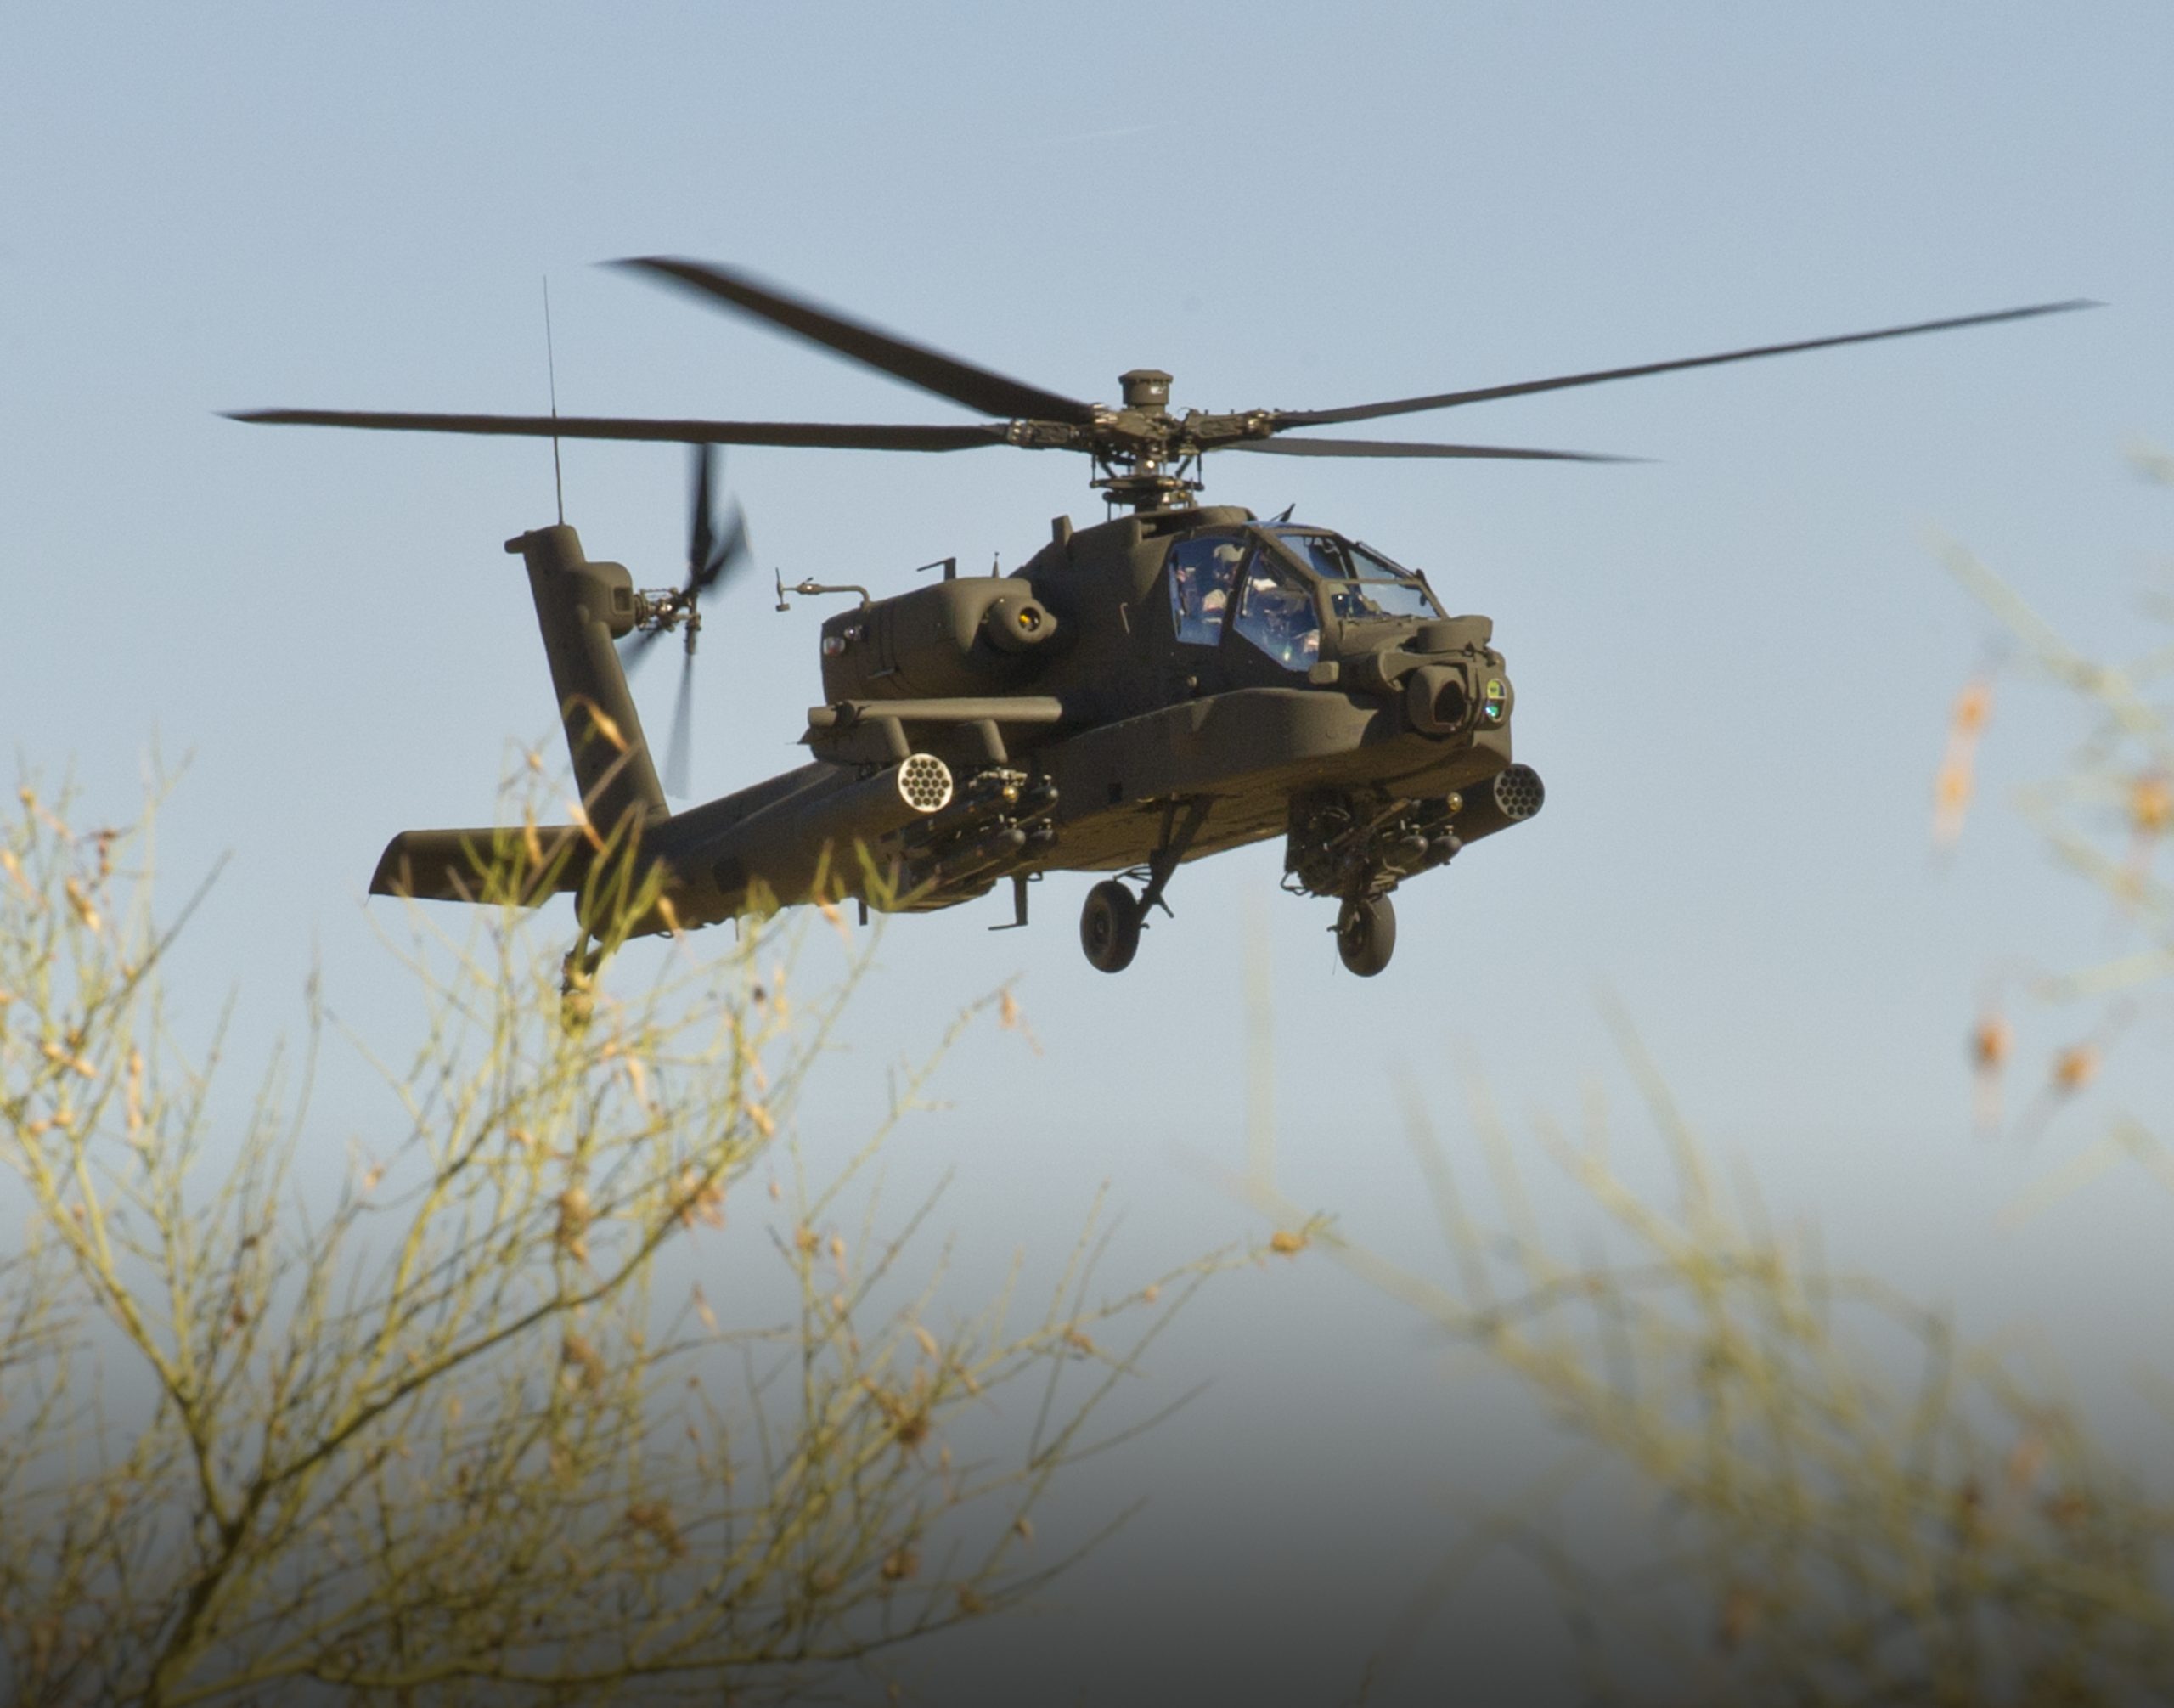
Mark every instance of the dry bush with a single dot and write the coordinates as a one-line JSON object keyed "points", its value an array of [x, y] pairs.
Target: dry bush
{"points": [[424, 1426], [2106, 817], [1851, 1503]]}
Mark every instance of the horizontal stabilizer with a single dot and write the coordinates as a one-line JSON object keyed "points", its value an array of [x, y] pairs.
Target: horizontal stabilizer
{"points": [[520, 864]]}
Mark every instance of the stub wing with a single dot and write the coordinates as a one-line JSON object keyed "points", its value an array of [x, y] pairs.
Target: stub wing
{"points": [[518, 864]]}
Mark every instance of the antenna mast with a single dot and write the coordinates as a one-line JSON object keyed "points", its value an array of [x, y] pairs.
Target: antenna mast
{"points": [[551, 369]]}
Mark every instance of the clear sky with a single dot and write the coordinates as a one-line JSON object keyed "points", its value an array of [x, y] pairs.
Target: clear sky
{"points": [[1733, 664]]}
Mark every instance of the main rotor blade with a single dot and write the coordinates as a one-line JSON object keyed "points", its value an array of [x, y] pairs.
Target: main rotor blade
{"points": [[1445, 400], [977, 388], [810, 434], [1403, 448]]}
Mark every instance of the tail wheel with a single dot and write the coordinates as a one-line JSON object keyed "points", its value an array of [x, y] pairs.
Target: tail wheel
{"points": [[1366, 934], [1109, 927]]}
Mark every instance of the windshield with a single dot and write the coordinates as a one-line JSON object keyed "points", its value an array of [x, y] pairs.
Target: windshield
{"points": [[1372, 587], [1202, 573], [1276, 613]]}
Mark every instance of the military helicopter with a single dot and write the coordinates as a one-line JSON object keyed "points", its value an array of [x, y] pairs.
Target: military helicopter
{"points": [[1179, 679]]}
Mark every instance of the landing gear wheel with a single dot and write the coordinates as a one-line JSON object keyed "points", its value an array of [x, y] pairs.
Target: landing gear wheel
{"points": [[1366, 934], [577, 987], [1109, 927]]}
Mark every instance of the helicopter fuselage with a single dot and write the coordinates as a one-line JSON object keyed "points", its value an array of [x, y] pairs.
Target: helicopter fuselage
{"points": [[1174, 682], [1136, 695], [1161, 704]]}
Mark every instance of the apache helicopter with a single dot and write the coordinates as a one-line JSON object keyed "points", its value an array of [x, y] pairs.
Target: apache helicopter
{"points": [[1181, 679]]}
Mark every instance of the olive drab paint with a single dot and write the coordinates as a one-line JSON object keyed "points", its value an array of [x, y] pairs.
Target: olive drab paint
{"points": [[1181, 679]]}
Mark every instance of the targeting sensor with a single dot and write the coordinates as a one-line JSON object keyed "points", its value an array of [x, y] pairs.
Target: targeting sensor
{"points": [[1016, 623], [1438, 699]]}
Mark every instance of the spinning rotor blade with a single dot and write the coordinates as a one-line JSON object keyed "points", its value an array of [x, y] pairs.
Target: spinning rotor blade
{"points": [[1445, 400], [810, 434], [977, 388], [1403, 448], [700, 541], [713, 555], [677, 753], [710, 556]]}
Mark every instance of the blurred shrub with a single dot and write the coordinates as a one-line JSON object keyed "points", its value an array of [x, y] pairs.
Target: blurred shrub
{"points": [[1852, 1504], [423, 1425]]}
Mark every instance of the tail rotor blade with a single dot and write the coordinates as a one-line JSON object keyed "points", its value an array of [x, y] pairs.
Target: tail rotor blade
{"points": [[677, 753], [711, 552], [700, 538], [636, 647], [730, 550]]}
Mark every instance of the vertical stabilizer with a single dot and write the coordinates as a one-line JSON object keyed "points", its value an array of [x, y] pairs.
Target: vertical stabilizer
{"points": [[582, 607]]}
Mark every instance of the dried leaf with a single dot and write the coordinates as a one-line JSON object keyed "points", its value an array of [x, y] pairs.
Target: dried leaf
{"points": [[654, 1518], [2151, 804], [2075, 1067], [81, 901], [574, 1216], [583, 1363]]}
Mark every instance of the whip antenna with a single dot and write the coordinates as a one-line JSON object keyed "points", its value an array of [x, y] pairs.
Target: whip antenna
{"points": [[551, 369]]}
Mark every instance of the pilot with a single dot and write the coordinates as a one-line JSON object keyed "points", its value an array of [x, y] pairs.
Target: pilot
{"points": [[1217, 596], [1282, 618], [1199, 583], [1202, 591]]}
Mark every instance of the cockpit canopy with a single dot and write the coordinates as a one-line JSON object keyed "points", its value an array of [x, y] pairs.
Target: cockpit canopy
{"points": [[1280, 584], [1360, 583]]}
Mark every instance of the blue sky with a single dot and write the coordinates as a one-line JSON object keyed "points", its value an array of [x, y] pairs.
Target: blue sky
{"points": [[1733, 664]]}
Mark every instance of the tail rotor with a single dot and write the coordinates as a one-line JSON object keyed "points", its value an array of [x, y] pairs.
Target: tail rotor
{"points": [[714, 552]]}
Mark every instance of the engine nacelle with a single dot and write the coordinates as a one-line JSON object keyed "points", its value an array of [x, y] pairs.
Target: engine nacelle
{"points": [[962, 637]]}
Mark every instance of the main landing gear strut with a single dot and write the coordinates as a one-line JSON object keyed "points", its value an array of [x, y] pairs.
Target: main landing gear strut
{"points": [[577, 983], [1111, 923], [1355, 849]]}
